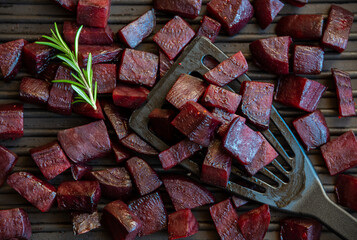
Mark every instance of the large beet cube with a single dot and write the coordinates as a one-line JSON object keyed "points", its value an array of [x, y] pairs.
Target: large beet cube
{"points": [[299, 92], [266, 10], [228, 70], [93, 13], [196, 123], [174, 36], [160, 123], [221, 98], [226, 118], [85, 109], [135, 143], [100, 54], [15, 224], [129, 96], [79, 170], [340, 154], [308, 59], [209, 28], [300, 228], [118, 120], [337, 28], [70, 5], [12, 121], [39, 193], [11, 58], [85, 222], [106, 77], [182, 224], [36, 57], [34, 90], [8, 160], [164, 64], [346, 191], [183, 8], [121, 154], [86, 142]]}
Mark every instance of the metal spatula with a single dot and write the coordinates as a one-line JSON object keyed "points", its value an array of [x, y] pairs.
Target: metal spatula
{"points": [[297, 189]]}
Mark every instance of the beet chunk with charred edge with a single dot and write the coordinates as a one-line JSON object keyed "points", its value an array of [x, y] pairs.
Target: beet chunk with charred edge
{"points": [[93, 13], [221, 98], [79, 170], [297, 3], [70, 5], [117, 118], [182, 224], [346, 191], [34, 90], [266, 10], [11, 58], [121, 154], [106, 77], [300, 228], [160, 123], [308, 59], [99, 53], [238, 202], [135, 143], [12, 121], [85, 222], [183, 8], [174, 36], [226, 118], [164, 64], [8, 160], [130, 96], [87, 110], [36, 57], [15, 224], [209, 28]]}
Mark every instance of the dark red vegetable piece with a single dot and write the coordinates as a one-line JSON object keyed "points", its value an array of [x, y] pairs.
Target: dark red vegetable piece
{"points": [[346, 191], [183, 8], [121, 154], [87, 110], [117, 118], [50, 71], [11, 58], [226, 118], [300, 228], [79, 170], [15, 224], [221, 98], [266, 10], [308, 59], [106, 77], [85, 222], [70, 5], [209, 28], [34, 90], [174, 36], [12, 121], [36, 57], [160, 123], [8, 160], [297, 3], [93, 13], [39, 193], [238, 202], [135, 143], [164, 64], [182, 224], [100, 54], [129, 96], [340, 154]]}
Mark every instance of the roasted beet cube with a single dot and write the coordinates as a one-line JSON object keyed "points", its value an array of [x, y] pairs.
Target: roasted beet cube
{"points": [[308, 59], [195, 122], [238, 202], [183, 8], [106, 77], [177, 153], [85, 222], [228, 70], [242, 142], [93, 13], [346, 191], [300, 228], [151, 211], [221, 98], [129, 96], [15, 224], [226, 118], [34, 90], [346, 104], [8, 160], [11, 58], [135, 32], [86, 142], [50, 71], [121, 154], [100, 54], [337, 28], [12, 121], [340, 154], [36, 57], [186, 193], [87, 110], [254, 224], [145, 178], [70, 5], [299, 92], [160, 123], [232, 14], [174, 36], [79, 170], [266, 10], [164, 64], [209, 28], [135, 143], [39, 193], [297, 3], [51, 159], [118, 120], [182, 224]]}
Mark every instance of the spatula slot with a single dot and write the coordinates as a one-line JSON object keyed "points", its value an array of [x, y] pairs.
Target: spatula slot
{"points": [[209, 61]]}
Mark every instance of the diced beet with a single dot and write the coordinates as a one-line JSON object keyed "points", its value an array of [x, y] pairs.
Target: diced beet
{"points": [[115, 183], [106, 77], [120, 221], [308, 59], [337, 28], [238, 202], [129, 96], [87, 110], [254, 224], [340, 154], [117, 119], [299, 92], [164, 64], [11, 58], [99, 53], [50, 71], [160, 123], [266, 10], [186, 193], [228, 70], [12, 121], [135, 143], [79, 170], [257, 101], [195, 122], [297, 3], [135, 32], [70, 5], [346, 191], [39, 193], [221, 98], [8, 160], [216, 167], [346, 104], [182, 224], [121, 154], [34, 90], [15, 224], [226, 118], [82, 196], [51, 159], [86, 142], [93, 13], [85, 222], [138, 67], [151, 211], [36, 57], [89, 35], [183, 8], [300, 228], [174, 36], [145, 178], [272, 54], [209, 28], [232, 14], [309, 27]]}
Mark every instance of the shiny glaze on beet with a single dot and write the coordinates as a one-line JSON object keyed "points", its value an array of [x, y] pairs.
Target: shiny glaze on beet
{"points": [[12, 121], [226, 118], [100, 54], [266, 10], [36, 57], [135, 143], [308, 59], [130, 96], [11, 58], [8, 160], [34, 90], [117, 117], [15, 224], [106, 77]]}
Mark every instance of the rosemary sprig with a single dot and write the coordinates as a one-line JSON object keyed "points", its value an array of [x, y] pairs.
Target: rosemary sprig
{"points": [[84, 84]]}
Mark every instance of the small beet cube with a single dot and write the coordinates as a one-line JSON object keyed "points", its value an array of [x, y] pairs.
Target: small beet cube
{"points": [[129, 96], [226, 118], [297, 3], [266, 10], [337, 28], [36, 57], [216, 167], [79, 170], [145, 178], [221, 98], [135, 32], [106, 77], [300, 228], [182, 224], [70, 5], [232, 14], [11, 58], [12, 121], [308, 59], [8, 160], [346, 191], [151, 211], [15, 224], [186, 193], [120, 221], [34, 90], [99, 53], [195, 122], [183, 8], [340, 154], [254, 224], [177, 153], [209, 28], [86, 142], [93, 13], [242, 142], [51, 159], [346, 104], [121, 154], [160, 123], [164, 64], [87, 110], [117, 119], [80, 196], [39, 193], [174, 36], [135, 143], [272, 54], [50, 71], [299, 92], [85, 222], [238, 202]]}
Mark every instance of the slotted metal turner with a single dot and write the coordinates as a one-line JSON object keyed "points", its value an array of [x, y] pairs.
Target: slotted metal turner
{"points": [[301, 194]]}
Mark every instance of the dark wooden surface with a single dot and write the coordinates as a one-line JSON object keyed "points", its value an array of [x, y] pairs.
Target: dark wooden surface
{"points": [[30, 19]]}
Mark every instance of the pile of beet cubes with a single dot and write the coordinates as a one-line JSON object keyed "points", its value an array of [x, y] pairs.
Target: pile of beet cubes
{"points": [[200, 117]]}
